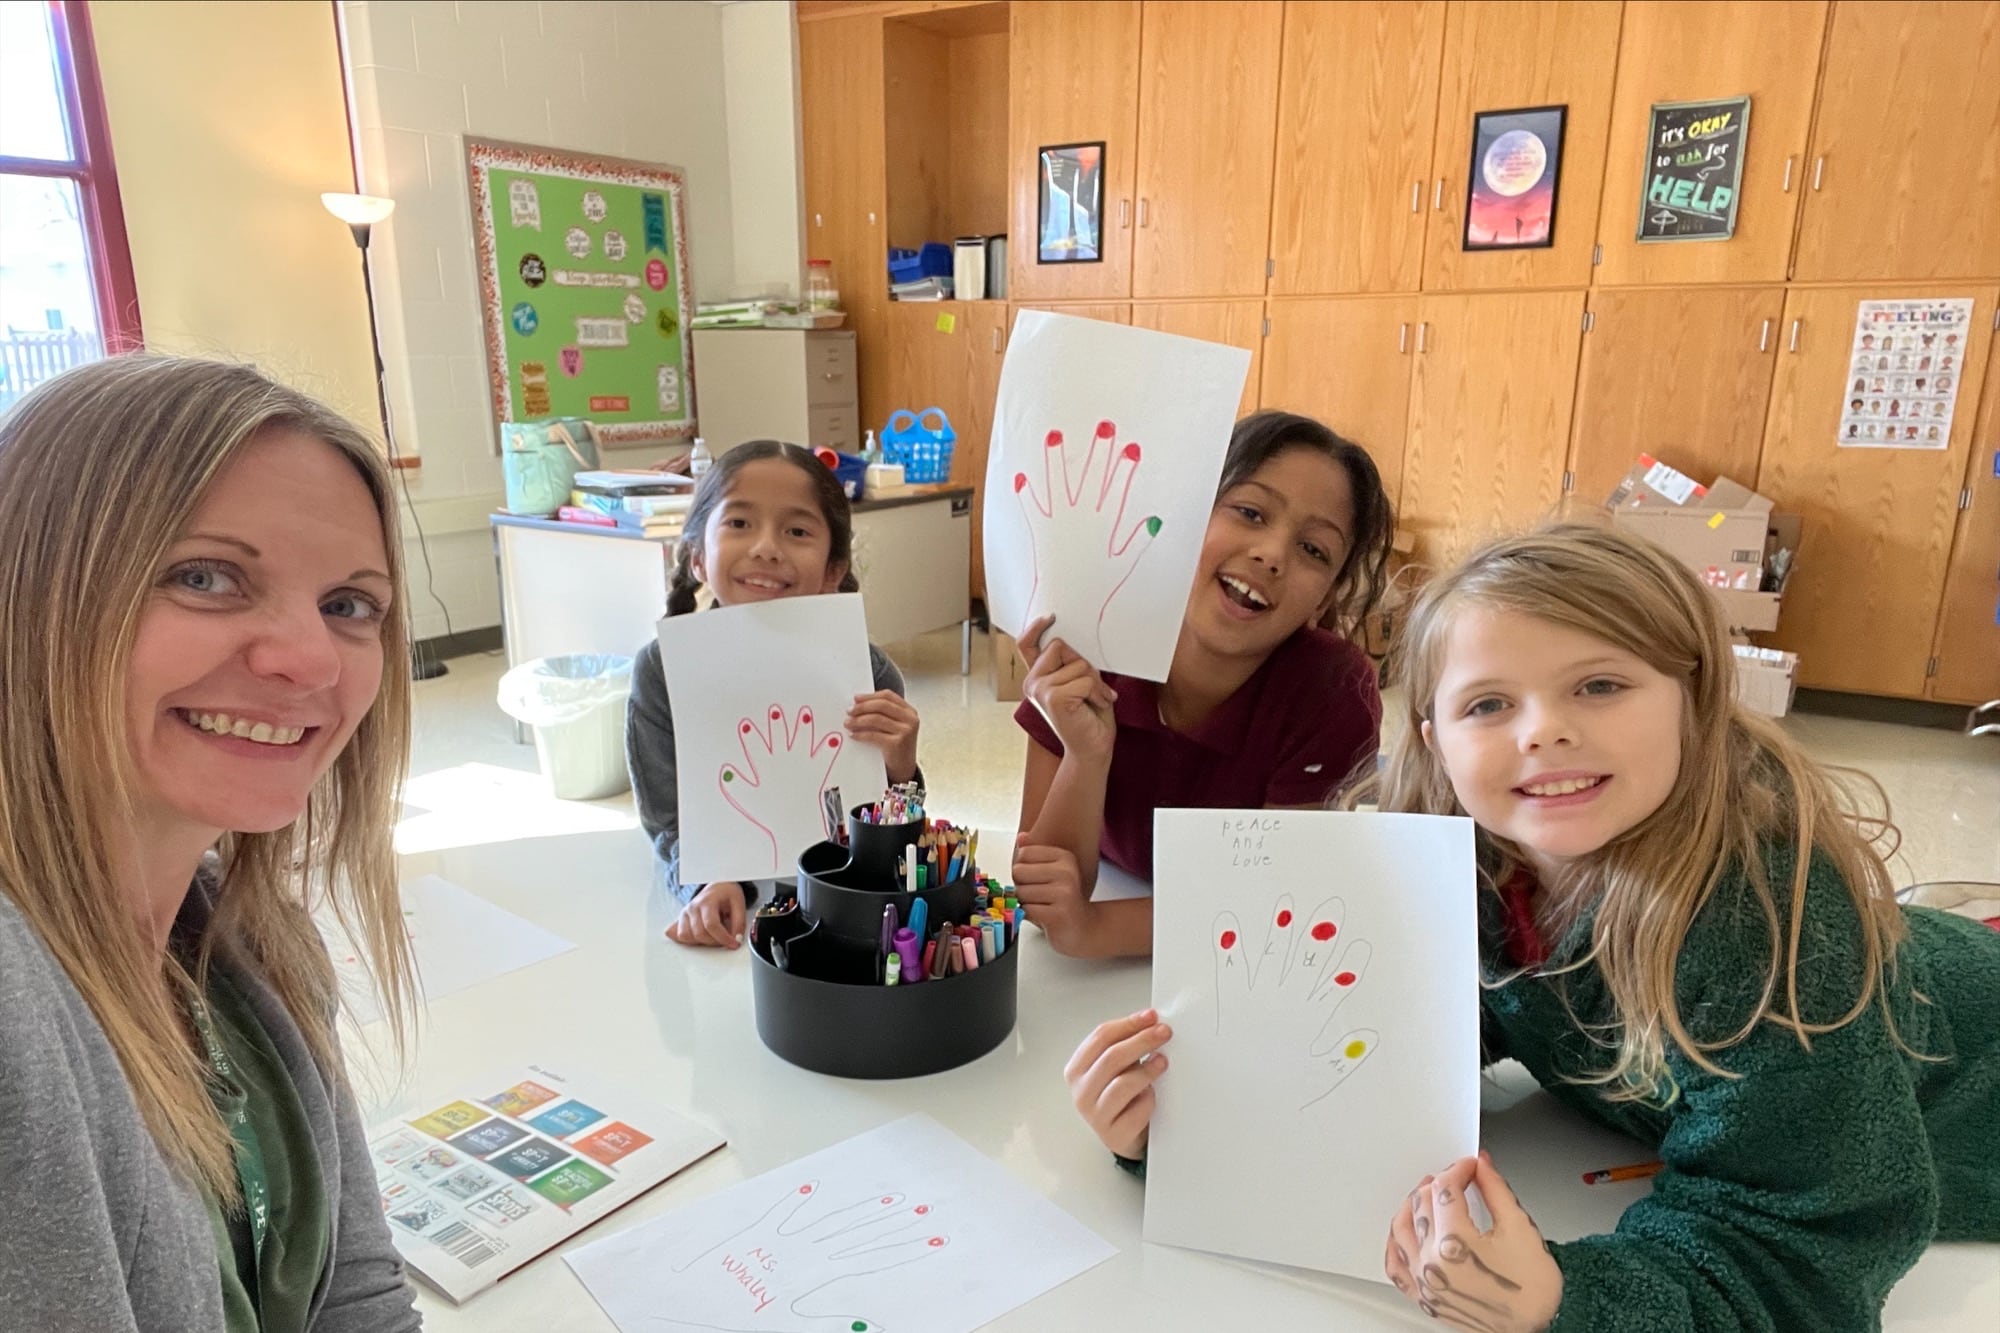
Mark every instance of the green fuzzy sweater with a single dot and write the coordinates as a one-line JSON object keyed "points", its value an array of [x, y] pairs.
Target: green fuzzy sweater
{"points": [[1794, 1196]]}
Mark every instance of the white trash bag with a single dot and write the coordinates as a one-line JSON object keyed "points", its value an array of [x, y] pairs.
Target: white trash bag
{"points": [[576, 704]]}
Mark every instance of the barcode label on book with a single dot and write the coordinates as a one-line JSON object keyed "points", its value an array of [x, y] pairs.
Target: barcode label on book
{"points": [[464, 1244]]}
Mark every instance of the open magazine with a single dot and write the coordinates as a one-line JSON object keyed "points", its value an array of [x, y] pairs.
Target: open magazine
{"points": [[476, 1187]]}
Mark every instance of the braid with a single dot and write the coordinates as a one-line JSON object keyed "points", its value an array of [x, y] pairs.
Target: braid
{"points": [[682, 586]]}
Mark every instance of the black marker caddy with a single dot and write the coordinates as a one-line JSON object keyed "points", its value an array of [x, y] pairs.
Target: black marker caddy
{"points": [[829, 1011]]}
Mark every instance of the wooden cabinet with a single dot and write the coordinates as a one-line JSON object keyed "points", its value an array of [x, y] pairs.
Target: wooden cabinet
{"points": [[1357, 108], [1346, 362], [1861, 608], [1208, 108], [841, 96], [1238, 323], [1690, 51], [1072, 78], [1683, 374], [1906, 150], [1968, 636], [1489, 416], [1111, 312], [947, 354], [1526, 53]]}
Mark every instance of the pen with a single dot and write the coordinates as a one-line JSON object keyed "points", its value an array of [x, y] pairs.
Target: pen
{"points": [[930, 952], [910, 869], [888, 928], [1638, 1171], [941, 951]]}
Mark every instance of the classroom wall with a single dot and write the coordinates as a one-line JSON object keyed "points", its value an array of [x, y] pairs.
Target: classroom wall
{"points": [[636, 80], [766, 172], [226, 123]]}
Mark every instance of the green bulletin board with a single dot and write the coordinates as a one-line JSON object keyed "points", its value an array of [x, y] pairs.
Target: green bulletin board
{"points": [[584, 290]]}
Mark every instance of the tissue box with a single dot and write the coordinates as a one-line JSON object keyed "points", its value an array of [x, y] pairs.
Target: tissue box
{"points": [[1766, 679]]}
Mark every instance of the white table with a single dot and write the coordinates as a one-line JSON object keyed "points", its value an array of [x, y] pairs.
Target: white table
{"points": [[676, 1023]]}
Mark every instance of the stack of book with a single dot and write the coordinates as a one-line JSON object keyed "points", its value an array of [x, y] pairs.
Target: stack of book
{"points": [[653, 504]]}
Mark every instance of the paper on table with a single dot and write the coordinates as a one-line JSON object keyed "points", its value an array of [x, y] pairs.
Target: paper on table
{"points": [[1107, 443], [459, 940], [1320, 971], [760, 695], [905, 1227]]}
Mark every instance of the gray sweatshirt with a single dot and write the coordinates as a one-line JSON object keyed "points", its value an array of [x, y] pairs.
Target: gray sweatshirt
{"points": [[649, 755], [98, 1232]]}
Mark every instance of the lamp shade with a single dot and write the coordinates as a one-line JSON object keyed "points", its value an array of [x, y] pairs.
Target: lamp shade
{"points": [[358, 209]]}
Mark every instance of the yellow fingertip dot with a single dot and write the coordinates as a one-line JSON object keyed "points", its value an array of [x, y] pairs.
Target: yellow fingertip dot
{"points": [[1355, 1049]]}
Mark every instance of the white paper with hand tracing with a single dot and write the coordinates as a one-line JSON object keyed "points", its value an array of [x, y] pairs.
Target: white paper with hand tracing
{"points": [[1107, 445], [760, 695], [905, 1227], [457, 937], [1320, 972]]}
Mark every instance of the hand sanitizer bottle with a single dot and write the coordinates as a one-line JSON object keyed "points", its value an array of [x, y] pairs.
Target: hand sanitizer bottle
{"points": [[699, 459]]}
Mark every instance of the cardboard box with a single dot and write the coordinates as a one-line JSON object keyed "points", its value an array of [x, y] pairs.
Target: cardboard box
{"points": [[1008, 670], [1766, 679], [1728, 535], [1651, 483]]}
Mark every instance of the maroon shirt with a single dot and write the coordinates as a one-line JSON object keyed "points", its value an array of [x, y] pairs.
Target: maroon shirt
{"points": [[1295, 731]]}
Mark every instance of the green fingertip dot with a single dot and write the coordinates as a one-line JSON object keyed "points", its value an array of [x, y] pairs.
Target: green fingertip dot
{"points": [[859, 1326], [729, 775], [1153, 527]]}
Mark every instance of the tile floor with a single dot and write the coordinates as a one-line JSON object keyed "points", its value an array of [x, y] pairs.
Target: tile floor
{"points": [[468, 773]]}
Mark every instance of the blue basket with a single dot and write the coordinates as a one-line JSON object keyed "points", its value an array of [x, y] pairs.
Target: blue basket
{"points": [[923, 450]]}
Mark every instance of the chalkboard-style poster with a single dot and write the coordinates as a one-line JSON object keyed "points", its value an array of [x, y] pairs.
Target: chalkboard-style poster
{"points": [[1694, 165], [584, 289]]}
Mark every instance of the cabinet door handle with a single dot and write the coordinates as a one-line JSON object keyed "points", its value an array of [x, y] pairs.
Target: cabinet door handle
{"points": [[1416, 196], [1795, 336], [1787, 186], [996, 340], [831, 375], [1142, 211], [818, 221], [1764, 336], [1437, 195], [871, 219], [1402, 337], [1819, 168], [1423, 335], [1124, 214]]}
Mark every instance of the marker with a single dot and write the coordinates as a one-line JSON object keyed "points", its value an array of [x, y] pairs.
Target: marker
{"points": [[938, 960], [920, 912], [930, 952], [906, 952], [910, 867], [889, 929], [970, 952], [1638, 1171], [892, 971]]}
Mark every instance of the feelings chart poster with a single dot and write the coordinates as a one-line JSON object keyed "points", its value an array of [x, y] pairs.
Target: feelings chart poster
{"points": [[476, 1186], [1903, 373], [584, 290]]}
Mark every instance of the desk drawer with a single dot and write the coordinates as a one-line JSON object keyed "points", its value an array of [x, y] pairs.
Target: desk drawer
{"points": [[830, 376], [834, 428]]}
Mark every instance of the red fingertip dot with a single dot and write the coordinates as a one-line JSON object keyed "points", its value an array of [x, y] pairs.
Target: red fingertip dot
{"points": [[1132, 452], [1285, 917], [1105, 430], [746, 728], [1055, 439], [777, 714], [935, 1241], [805, 1189], [888, 1198], [833, 742], [1020, 482], [923, 1208], [1229, 939], [805, 715], [1325, 930], [1343, 979]]}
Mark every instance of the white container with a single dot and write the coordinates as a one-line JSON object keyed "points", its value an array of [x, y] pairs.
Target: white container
{"points": [[576, 704]]}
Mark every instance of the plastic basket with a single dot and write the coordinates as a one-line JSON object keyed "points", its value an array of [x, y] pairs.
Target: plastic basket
{"points": [[924, 450]]}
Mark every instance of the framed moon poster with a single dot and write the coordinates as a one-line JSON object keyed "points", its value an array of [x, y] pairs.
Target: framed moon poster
{"points": [[1511, 192]]}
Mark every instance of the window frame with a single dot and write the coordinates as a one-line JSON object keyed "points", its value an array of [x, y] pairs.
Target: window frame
{"points": [[91, 168]]}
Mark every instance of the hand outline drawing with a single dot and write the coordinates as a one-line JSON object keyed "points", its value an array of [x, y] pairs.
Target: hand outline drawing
{"points": [[1295, 984], [1083, 501], [863, 1238], [792, 776]]}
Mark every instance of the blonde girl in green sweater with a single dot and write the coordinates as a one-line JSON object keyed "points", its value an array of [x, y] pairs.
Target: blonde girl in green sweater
{"points": [[1686, 933]]}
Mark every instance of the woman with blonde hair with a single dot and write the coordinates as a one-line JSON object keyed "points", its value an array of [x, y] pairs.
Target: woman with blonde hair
{"points": [[1687, 934], [206, 719]]}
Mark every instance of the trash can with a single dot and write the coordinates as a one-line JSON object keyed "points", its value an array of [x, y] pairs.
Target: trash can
{"points": [[576, 704]]}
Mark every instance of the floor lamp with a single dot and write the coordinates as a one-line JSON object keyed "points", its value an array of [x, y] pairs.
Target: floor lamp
{"points": [[361, 212]]}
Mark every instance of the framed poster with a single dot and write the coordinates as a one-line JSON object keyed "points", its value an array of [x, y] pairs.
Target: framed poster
{"points": [[1069, 214], [1511, 190], [1694, 169], [584, 290]]}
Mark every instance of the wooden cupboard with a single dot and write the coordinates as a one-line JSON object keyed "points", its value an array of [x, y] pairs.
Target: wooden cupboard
{"points": [[1490, 398], [1691, 51], [1967, 652], [1681, 373], [1346, 361], [947, 354], [1524, 53], [1203, 218], [1861, 610], [1357, 111], [841, 95], [1906, 151], [1072, 78], [1238, 323], [1112, 312]]}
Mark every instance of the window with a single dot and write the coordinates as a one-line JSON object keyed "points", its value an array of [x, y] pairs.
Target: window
{"points": [[66, 289]]}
